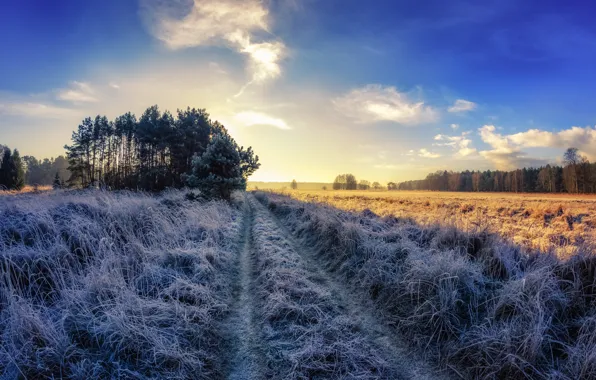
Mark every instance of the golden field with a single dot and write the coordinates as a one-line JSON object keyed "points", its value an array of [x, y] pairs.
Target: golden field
{"points": [[564, 224]]}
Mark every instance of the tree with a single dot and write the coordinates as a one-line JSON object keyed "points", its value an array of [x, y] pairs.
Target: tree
{"points": [[351, 183], [391, 186], [340, 182], [222, 168], [571, 160], [294, 184], [5, 176], [345, 182], [363, 185], [376, 186], [151, 153], [18, 171], [42, 172], [57, 182], [12, 173]]}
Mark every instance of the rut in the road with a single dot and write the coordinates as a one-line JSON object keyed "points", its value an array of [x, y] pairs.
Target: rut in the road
{"points": [[362, 336], [291, 320], [308, 333], [389, 344], [246, 361]]}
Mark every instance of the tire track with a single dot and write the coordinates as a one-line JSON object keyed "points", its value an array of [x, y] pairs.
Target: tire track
{"points": [[396, 351], [246, 354]]}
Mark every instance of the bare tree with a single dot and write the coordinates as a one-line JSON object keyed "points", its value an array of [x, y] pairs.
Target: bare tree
{"points": [[571, 160]]}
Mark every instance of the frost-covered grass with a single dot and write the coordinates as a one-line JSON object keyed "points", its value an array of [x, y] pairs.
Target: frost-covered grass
{"points": [[470, 300], [114, 285], [304, 330]]}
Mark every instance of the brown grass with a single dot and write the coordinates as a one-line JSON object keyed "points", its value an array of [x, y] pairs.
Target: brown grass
{"points": [[27, 189], [564, 224]]}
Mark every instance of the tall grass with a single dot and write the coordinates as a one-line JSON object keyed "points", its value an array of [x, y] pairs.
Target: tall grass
{"points": [[563, 224], [307, 334], [475, 303], [113, 285]]}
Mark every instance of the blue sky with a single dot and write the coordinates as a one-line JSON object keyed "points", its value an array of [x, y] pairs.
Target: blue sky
{"points": [[387, 90]]}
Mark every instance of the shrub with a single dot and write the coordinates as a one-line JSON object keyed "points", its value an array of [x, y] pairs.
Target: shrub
{"points": [[222, 168]]}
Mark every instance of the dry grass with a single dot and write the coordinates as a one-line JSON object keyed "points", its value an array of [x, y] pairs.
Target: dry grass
{"points": [[308, 335], [27, 189], [471, 300], [113, 285], [563, 224]]}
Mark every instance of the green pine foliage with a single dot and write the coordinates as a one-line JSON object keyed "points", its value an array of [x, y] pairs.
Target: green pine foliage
{"points": [[222, 168], [151, 153], [12, 173], [57, 182]]}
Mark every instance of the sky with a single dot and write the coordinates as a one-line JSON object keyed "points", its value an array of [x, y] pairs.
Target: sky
{"points": [[387, 90]]}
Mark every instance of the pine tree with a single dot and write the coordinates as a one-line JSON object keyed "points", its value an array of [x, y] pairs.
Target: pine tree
{"points": [[57, 182], [12, 173], [18, 171], [5, 182], [222, 168]]}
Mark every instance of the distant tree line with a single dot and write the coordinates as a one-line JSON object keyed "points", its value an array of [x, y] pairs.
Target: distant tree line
{"points": [[158, 151], [12, 172], [44, 172], [576, 175], [349, 182]]}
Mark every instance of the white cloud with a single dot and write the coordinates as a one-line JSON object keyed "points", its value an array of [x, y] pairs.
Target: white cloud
{"points": [[375, 103], [506, 154], [462, 105], [115, 86], [426, 154], [250, 118], [582, 138], [462, 144], [78, 92], [31, 109], [454, 126], [231, 23]]}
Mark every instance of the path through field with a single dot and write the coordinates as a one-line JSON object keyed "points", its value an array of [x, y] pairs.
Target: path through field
{"points": [[310, 325], [246, 358]]}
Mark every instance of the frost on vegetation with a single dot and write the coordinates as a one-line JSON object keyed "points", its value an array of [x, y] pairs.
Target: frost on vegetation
{"points": [[306, 334], [114, 285], [478, 305]]}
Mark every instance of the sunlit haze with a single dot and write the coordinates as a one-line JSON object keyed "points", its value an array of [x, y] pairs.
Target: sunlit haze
{"points": [[317, 88]]}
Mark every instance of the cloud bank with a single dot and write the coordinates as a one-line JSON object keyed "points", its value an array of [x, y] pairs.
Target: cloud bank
{"points": [[374, 103]]}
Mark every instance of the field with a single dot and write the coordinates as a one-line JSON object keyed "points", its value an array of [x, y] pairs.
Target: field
{"points": [[563, 224], [124, 285]]}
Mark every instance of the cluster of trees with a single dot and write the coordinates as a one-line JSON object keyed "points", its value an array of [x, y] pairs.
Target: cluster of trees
{"points": [[158, 151], [345, 182], [44, 172], [577, 175], [366, 185], [12, 173], [349, 182]]}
